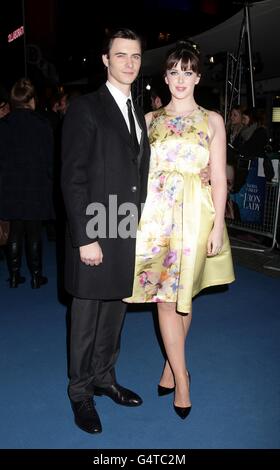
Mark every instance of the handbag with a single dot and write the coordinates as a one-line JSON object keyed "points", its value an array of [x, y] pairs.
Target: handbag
{"points": [[4, 232]]}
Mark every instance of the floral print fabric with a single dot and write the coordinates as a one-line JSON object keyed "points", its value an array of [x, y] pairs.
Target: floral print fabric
{"points": [[171, 247]]}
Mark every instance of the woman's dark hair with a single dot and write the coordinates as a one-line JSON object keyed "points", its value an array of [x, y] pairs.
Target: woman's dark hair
{"points": [[22, 92], [255, 116], [122, 33], [188, 53]]}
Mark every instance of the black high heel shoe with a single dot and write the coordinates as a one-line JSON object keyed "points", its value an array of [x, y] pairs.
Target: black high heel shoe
{"points": [[183, 412], [164, 390]]}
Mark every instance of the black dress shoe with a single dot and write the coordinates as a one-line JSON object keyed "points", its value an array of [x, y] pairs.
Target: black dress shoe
{"points": [[119, 394], [86, 416]]}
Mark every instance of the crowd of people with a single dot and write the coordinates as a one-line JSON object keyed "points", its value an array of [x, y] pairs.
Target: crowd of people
{"points": [[247, 137]]}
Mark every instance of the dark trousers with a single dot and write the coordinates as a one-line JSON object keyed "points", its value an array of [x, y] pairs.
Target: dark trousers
{"points": [[94, 345], [30, 230]]}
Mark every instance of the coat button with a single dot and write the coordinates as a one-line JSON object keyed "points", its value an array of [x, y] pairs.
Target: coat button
{"points": [[134, 189]]}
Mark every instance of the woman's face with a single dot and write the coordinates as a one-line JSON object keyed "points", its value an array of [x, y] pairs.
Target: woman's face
{"points": [[235, 116], [181, 82], [245, 120]]}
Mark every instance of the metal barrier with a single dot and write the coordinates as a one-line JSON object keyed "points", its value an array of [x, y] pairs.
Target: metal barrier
{"points": [[268, 228]]}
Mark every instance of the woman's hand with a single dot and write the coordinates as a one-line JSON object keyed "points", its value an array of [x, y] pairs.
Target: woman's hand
{"points": [[91, 254], [215, 242]]}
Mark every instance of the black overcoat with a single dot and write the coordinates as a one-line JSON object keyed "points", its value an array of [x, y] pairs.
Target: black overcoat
{"points": [[98, 161], [26, 167]]}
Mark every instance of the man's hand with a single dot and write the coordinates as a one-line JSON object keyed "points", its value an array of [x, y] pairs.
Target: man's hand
{"points": [[205, 175], [91, 254]]}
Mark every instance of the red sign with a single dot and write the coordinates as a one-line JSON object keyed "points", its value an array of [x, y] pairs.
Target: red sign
{"points": [[16, 34]]}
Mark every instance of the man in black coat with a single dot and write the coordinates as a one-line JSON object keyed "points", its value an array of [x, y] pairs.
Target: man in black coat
{"points": [[105, 162]]}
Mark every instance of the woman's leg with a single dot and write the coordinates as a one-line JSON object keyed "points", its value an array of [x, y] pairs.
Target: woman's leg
{"points": [[172, 328], [33, 230], [14, 252], [167, 378]]}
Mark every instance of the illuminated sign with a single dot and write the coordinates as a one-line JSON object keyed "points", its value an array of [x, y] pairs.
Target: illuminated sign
{"points": [[16, 34]]}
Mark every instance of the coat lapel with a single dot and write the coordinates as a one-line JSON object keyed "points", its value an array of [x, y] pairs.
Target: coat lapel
{"points": [[114, 114]]}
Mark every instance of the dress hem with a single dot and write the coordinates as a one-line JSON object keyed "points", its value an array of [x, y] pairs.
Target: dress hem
{"points": [[186, 309]]}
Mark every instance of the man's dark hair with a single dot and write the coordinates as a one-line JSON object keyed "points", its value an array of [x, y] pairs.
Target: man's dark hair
{"points": [[122, 33]]}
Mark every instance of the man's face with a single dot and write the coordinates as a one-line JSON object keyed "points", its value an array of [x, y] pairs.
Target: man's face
{"points": [[123, 62]]}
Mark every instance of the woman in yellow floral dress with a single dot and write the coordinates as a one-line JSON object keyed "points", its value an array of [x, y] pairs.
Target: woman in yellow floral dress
{"points": [[182, 244]]}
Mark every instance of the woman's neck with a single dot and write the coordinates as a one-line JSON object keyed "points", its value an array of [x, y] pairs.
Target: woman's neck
{"points": [[181, 107]]}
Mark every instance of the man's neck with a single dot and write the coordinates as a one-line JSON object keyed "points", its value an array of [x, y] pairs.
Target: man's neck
{"points": [[125, 89]]}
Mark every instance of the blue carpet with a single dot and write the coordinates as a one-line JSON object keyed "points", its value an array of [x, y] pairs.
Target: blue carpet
{"points": [[233, 355]]}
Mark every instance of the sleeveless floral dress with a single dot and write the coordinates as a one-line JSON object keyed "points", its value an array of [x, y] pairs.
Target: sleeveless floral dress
{"points": [[171, 246]]}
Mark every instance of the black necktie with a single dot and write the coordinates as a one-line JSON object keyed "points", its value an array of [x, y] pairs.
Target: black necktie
{"points": [[132, 127]]}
